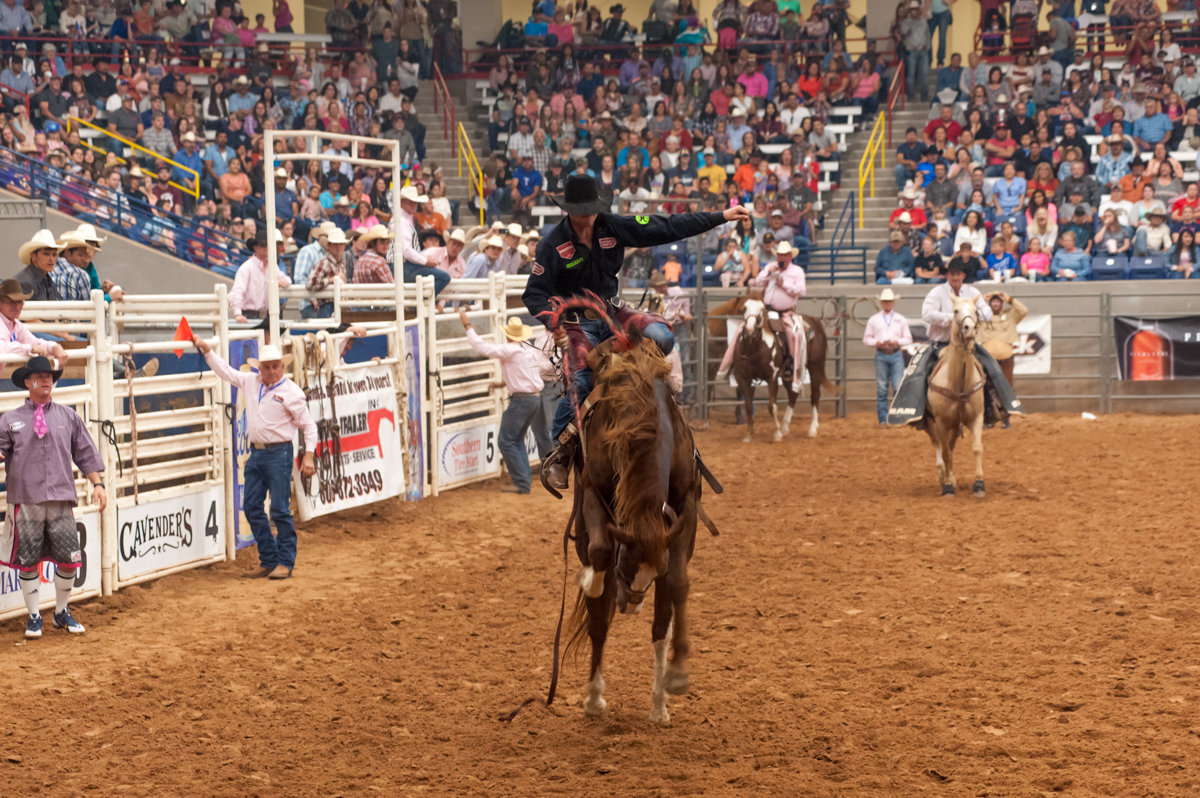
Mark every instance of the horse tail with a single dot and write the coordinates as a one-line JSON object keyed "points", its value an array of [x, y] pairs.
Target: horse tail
{"points": [[581, 618], [818, 353]]}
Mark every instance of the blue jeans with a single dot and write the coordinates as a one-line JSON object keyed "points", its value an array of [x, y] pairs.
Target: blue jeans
{"points": [[412, 271], [888, 368], [522, 411], [916, 65], [939, 22], [580, 385], [269, 471], [903, 175]]}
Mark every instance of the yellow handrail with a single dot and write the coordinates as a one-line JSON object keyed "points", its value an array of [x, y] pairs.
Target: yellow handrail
{"points": [[474, 171], [866, 166], [195, 192]]}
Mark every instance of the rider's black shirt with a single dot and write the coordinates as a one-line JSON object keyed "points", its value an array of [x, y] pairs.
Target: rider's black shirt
{"points": [[564, 268]]}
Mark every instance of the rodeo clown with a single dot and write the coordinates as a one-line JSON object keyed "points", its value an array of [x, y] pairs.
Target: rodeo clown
{"points": [[582, 254], [908, 405]]}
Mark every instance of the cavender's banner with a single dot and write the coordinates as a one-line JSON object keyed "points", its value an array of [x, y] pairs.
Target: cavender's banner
{"points": [[1157, 349], [358, 460]]}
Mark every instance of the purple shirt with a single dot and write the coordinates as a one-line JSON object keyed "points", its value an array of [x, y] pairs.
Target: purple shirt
{"points": [[39, 469]]}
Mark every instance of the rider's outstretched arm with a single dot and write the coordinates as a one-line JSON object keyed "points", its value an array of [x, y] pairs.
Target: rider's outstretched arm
{"points": [[652, 231]]}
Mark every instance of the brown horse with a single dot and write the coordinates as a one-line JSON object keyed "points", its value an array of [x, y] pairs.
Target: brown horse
{"points": [[955, 398], [638, 494], [818, 346], [759, 355]]}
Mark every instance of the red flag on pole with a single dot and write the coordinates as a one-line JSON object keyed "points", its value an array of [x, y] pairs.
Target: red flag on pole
{"points": [[183, 333]]}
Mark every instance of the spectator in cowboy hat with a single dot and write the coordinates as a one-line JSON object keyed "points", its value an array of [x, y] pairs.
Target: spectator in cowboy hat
{"points": [[887, 332], [40, 442], [39, 254], [371, 266], [510, 258], [329, 269], [309, 254], [70, 273], [15, 337], [276, 408], [407, 247], [521, 366], [486, 260], [250, 293], [112, 291], [449, 258]]}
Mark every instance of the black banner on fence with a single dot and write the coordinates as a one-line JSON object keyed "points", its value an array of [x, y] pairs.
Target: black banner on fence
{"points": [[1157, 349]]}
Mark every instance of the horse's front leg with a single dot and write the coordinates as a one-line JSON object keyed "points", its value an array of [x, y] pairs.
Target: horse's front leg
{"points": [[948, 481], [772, 399], [658, 635], [599, 612], [600, 550], [748, 405], [977, 448], [677, 682]]}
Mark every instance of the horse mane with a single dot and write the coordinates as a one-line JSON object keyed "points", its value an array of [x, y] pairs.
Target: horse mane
{"points": [[628, 431], [560, 306]]}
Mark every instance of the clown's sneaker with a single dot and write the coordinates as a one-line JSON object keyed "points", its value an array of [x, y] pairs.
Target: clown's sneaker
{"points": [[63, 620], [33, 627]]}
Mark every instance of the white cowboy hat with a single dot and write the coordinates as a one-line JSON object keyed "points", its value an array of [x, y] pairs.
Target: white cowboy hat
{"points": [[278, 236], [281, 172], [458, 235], [517, 330], [410, 193], [523, 250], [343, 202], [947, 96], [532, 234], [336, 236], [324, 229], [908, 193], [269, 354], [42, 239], [189, 136], [1044, 51], [514, 229], [493, 241], [88, 233], [784, 248], [887, 295], [72, 239], [904, 216], [375, 233]]}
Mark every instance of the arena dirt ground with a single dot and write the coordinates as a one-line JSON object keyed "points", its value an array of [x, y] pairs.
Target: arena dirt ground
{"points": [[854, 635]]}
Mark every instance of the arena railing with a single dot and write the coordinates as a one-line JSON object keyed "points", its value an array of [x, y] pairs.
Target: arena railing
{"points": [[89, 202], [442, 98], [466, 154], [17, 96], [1092, 29], [137, 148], [875, 149]]}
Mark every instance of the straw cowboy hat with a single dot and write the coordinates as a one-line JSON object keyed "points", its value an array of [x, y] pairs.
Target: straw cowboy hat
{"points": [[887, 295], [493, 241], [784, 248], [517, 330], [72, 239], [458, 235], [89, 234], [269, 354], [42, 239], [375, 233], [410, 193], [36, 365], [658, 279], [336, 236]]}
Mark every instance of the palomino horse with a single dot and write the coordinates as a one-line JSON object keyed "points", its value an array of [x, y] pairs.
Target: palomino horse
{"points": [[954, 399], [638, 495], [814, 360], [759, 354]]}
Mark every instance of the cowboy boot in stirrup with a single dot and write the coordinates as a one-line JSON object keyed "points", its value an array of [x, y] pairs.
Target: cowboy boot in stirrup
{"points": [[557, 467]]}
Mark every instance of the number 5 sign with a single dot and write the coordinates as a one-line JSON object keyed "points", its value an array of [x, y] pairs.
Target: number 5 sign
{"points": [[467, 453]]}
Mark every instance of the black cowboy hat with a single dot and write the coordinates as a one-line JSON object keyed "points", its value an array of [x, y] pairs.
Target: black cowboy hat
{"points": [[39, 364], [581, 197]]}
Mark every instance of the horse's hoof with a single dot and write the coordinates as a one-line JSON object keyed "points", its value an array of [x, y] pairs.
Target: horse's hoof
{"points": [[661, 717], [977, 489], [747, 439], [594, 708], [785, 429], [812, 433], [677, 682], [947, 490], [777, 437]]}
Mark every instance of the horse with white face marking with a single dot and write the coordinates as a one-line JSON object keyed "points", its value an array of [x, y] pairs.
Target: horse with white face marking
{"points": [[955, 398], [639, 492], [759, 353]]}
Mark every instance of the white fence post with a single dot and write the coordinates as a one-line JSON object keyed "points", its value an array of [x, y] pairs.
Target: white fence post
{"points": [[229, 456], [103, 382]]}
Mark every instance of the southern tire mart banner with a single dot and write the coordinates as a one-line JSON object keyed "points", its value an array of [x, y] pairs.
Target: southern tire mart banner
{"points": [[370, 467]]}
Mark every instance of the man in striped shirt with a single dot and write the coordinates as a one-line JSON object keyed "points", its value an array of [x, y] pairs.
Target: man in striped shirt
{"points": [[70, 273]]}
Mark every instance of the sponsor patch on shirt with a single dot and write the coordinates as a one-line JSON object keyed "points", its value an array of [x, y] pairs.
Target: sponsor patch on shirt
{"points": [[278, 398], [537, 268], [608, 242], [566, 250], [16, 425]]}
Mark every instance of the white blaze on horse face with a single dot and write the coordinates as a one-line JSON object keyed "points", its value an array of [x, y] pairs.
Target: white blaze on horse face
{"points": [[641, 581], [752, 314]]}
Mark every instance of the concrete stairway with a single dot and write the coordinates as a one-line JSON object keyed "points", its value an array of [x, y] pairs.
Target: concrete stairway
{"points": [[873, 231], [438, 142]]}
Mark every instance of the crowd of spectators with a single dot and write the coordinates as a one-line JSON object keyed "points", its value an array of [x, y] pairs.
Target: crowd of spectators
{"points": [[678, 125], [1058, 163], [129, 69]]}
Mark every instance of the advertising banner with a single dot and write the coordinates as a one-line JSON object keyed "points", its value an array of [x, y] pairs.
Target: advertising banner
{"points": [[87, 580], [359, 459], [1032, 350], [169, 532], [467, 453], [1157, 349]]}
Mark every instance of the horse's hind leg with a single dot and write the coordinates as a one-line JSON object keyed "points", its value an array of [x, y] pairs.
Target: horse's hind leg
{"points": [[748, 402], [772, 401], [816, 400], [677, 682], [599, 611]]}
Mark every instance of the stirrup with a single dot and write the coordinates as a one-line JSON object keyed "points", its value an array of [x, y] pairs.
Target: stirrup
{"points": [[564, 456]]}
